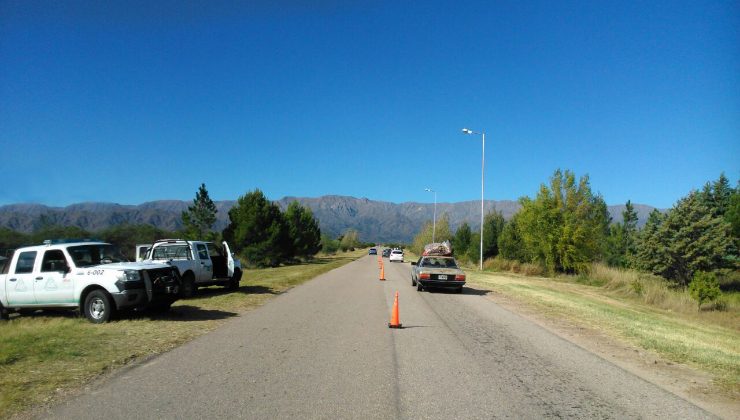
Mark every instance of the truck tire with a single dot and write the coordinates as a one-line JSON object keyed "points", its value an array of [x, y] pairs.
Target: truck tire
{"points": [[4, 316], [188, 288], [98, 307], [235, 279]]}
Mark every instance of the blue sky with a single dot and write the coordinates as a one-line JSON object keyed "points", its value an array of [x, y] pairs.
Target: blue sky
{"points": [[130, 101]]}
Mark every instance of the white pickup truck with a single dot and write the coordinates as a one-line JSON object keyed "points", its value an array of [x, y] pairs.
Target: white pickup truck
{"points": [[200, 263], [90, 275]]}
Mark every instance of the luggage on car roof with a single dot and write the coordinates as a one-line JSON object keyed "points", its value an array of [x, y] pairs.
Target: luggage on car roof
{"points": [[441, 249]]}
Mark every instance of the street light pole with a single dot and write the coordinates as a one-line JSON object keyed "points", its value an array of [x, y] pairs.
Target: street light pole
{"points": [[434, 220], [482, 168]]}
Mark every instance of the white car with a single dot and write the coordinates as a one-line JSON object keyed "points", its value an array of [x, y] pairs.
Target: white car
{"points": [[396, 255]]}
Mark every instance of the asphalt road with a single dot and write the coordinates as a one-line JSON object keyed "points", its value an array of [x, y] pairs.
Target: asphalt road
{"points": [[324, 350]]}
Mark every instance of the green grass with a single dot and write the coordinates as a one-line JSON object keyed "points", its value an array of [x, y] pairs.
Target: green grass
{"points": [[703, 340], [46, 355]]}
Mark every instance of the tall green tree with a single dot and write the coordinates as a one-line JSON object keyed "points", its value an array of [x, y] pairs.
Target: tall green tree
{"points": [[690, 238], [621, 242], [493, 225], [461, 241], [200, 217], [303, 230], [717, 195], [258, 230], [565, 226], [510, 242]]}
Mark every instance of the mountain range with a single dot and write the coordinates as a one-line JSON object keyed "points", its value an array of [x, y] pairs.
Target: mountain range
{"points": [[376, 221]]}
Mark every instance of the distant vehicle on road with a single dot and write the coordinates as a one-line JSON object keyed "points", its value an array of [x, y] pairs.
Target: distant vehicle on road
{"points": [[437, 271], [372, 251], [386, 252], [396, 255]]}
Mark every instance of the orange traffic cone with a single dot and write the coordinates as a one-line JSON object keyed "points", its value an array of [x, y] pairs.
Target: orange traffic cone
{"points": [[395, 322], [382, 272]]}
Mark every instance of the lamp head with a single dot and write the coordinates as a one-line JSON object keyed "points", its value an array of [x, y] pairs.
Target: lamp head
{"points": [[467, 131]]}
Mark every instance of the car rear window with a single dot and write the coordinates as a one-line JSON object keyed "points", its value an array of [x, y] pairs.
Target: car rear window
{"points": [[438, 263]]}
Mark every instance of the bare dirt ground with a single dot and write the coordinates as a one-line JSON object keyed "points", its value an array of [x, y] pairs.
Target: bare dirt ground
{"points": [[684, 381]]}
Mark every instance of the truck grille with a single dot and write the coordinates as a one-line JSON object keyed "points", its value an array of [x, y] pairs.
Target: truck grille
{"points": [[162, 278]]}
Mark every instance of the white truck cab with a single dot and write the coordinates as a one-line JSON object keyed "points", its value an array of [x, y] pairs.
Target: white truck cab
{"points": [[86, 274], [200, 263]]}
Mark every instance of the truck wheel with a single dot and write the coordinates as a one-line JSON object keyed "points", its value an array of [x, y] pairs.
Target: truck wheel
{"points": [[98, 307], [187, 289], [3, 313], [234, 282]]}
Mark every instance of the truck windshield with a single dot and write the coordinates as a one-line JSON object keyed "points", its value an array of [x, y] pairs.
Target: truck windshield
{"points": [[89, 255]]}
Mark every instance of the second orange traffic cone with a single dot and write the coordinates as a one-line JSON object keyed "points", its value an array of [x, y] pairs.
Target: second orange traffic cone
{"points": [[382, 272], [395, 322]]}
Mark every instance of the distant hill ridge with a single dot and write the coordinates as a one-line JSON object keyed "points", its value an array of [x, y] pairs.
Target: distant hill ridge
{"points": [[378, 221]]}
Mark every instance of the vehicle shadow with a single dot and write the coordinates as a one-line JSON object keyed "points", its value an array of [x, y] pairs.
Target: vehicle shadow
{"points": [[176, 313], [182, 313], [219, 290], [465, 291]]}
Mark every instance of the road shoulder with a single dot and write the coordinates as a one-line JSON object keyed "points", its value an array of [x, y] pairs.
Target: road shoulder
{"points": [[688, 383]]}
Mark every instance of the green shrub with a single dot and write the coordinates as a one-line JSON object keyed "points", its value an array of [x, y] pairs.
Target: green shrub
{"points": [[704, 287]]}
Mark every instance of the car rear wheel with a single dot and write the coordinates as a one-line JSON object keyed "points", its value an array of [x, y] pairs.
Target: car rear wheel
{"points": [[413, 282]]}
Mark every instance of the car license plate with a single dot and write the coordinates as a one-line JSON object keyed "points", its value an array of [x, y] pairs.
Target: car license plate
{"points": [[441, 277]]}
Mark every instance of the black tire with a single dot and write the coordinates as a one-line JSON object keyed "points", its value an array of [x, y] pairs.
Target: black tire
{"points": [[419, 287], [188, 288], [413, 282], [234, 282], [98, 307], [4, 316], [458, 290]]}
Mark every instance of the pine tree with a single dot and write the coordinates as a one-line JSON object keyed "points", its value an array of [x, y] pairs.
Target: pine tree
{"points": [[303, 230], [493, 225], [510, 243], [200, 216], [461, 241], [258, 230], [689, 238]]}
